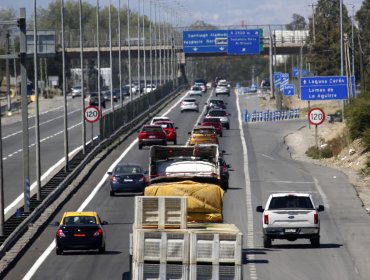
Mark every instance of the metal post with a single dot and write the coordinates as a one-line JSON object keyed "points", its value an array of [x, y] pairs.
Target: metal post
{"points": [[37, 116], [119, 54], [353, 41], [313, 23], [9, 103], [272, 89], [138, 49], [151, 44], [129, 48], [341, 46], [155, 46], [316, 138], [144, 43], [98, 55], [160, 49], [66, 151], [82, 84], [110, 58], [25, 136], [2, 219]]}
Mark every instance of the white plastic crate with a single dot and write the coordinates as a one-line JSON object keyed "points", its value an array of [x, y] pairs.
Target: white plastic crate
{"points": [[160, 212], [215, 272], [161, 245], [146, 271], [216, 248]]}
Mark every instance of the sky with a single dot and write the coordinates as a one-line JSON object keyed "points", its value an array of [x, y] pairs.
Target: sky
{"points": [[215, 12]]}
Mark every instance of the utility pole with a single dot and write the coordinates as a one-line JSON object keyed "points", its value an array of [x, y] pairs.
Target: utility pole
{"points": [[9, 104], [82, 84], [129, 48]]}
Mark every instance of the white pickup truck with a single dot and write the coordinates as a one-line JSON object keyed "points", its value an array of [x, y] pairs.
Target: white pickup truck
{"points": [[290, 216]]}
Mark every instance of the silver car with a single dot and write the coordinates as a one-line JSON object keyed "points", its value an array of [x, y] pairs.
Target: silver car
{"points": [[195, 91], [222, 115], [76, 91], [189, 104], [222, 89]]}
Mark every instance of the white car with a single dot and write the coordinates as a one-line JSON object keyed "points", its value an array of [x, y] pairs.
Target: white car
{"points": [[149, 88], [189, 104], [290, 216], [222, 89], [76, 91], [156, 119], [195, 91], [220, 114]]}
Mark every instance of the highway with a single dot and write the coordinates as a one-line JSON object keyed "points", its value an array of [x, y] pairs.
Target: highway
{"points": [[51, 144], [261, 164]]}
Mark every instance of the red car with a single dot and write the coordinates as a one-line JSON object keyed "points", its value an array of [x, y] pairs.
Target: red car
{"points": [[215, 122], [152, 135], [170, 129]]}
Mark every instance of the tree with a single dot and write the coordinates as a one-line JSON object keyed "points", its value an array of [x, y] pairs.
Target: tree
{"points": [[324, 45], [298, 23]]}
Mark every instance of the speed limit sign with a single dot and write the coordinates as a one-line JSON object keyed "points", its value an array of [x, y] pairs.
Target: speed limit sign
{"points": [[316, 116], [92, 114]]}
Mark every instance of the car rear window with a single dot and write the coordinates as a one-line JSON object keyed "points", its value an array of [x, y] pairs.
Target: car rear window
{"points": [[217, 113], [189, 100], [152, 129], [204, 131], [165, 125], [79, 220], [196, 88], [217, 102], [128, 169], [212, 120], [290, 202]]}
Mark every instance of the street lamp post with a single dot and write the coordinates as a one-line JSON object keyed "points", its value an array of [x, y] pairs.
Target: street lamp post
{"points": [[129, 48]]}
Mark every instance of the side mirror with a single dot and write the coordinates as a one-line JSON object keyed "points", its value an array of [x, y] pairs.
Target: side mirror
{"points": [[229, 114], [225, 103], [320, 208], [205, 103], [176, 127], [189, 133], [137, 131], [56, 224], [103, 223], [146, 172], [228, 165], [109, 172], [223, 152], [259, 209], [198, 123]]}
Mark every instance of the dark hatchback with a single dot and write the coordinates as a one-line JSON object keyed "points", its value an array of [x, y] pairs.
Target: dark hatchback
{"points": [[127, 178], [80, 231], [224, 173], [94, 99]]}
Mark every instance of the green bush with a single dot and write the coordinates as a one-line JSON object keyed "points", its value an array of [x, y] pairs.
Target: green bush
{"points": [[358, 117], [366, 139], [338, 144], [366, 169], [317, 153]]}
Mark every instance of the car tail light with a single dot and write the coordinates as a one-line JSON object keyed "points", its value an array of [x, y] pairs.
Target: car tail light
{"points": [[224, 168], [316, 218], [99, 232], [142, 179], [214, 135], [60, 233], [113, 179], [266, 219]]}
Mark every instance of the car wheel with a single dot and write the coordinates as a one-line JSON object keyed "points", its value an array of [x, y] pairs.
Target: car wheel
{"points": [[175, 142], [58, 251], [165, 143], [216, 94], [181, 111], [267, 242], [111, 193], [221, 134], [140, 146], [228, 94], [315, 242], [228, 127], [102, 249], [73, 97]]}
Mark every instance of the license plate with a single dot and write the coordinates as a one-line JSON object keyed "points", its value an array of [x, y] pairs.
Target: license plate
{"points": [[290, 230], [128, 180], [152, 136], [79, 235]]}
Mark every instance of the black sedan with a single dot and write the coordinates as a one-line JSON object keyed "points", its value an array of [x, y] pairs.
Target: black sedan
{"points": [[80, 231], [127, 178], [94, 99]]}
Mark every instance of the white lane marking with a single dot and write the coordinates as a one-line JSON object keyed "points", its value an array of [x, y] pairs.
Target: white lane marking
{"points": [[52, 245], [42, 140], [283, 182], [248, 193], [322, 193], [32, 127], [47, 173], [267, 156]]}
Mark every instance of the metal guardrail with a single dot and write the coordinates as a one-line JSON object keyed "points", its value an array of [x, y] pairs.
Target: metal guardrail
{"points": [[78, 164]]}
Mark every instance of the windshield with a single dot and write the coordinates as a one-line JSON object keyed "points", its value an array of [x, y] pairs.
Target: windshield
{"points": [[290, 202], [217, 113]]}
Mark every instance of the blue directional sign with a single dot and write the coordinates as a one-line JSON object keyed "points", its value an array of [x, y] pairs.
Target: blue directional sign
{"points": [[277, 79], [353, 83], [289, 90], [295, 72], [305, 72], [284, 80], [243, 42], [205, 41], [324, 88]]}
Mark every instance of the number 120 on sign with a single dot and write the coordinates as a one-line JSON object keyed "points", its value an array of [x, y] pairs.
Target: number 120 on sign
{"points": [[316, 116], [92, 114]]}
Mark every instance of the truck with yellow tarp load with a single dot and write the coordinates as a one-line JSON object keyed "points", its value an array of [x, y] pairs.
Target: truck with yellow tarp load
{"points": [[178, 232]]}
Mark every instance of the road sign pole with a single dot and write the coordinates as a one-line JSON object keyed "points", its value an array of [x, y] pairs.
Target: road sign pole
{"points": [[92, 134], [309, 105], [316, 138]]}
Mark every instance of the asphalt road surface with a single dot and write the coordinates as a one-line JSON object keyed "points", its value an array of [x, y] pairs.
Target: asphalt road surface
{"points": [[264, 167]]}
